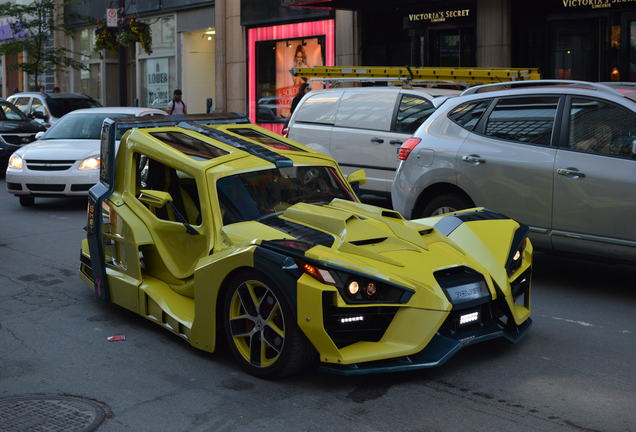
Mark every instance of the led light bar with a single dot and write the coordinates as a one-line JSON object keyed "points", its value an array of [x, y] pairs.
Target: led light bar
{"points": [[468, 318], [351, 319]]}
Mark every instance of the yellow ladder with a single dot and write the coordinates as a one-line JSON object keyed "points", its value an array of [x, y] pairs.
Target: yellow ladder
{"points": [[409, 74]]}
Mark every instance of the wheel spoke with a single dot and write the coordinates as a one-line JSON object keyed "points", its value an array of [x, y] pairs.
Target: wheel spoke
{"points": [[272, 325], [256, 349], [267, 306], [250, 289], [241, 326], [247, 300], [273, 339]]}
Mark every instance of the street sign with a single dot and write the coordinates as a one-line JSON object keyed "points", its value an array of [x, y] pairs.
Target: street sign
{"points": [[111, 17]]}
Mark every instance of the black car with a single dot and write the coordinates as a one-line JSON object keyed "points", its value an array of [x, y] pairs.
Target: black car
{"points": [[16, 130]]}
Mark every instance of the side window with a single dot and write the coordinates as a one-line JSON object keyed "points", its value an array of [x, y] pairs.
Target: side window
{"points": [[412, 112], [366, 110], [320, 108], [37, 106], [525, 119], [468, 115], [153, 175], [22, 103], [602, 128]]}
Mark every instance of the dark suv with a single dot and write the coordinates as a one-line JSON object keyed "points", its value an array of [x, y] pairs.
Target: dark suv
{"points": [[16, 130]]}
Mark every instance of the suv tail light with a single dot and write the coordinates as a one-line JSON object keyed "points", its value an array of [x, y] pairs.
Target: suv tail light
{"points": [[407, 147], [285, 132]]}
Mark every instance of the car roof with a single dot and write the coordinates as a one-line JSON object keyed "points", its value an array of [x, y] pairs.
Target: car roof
{"points": [[133, 111], [52, 95]]}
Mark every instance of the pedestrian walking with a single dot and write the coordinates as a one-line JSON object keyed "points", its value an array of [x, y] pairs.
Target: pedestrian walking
{"points": [[177, 106]]}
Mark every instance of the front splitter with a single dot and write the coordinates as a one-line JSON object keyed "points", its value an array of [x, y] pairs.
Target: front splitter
{"points": [[437, 352]]}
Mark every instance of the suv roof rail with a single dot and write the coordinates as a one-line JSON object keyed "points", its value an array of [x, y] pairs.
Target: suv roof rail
{"points": [[537, 83]]}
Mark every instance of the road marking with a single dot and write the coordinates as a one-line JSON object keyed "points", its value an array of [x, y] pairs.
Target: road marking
{"points": [[581, 323]]}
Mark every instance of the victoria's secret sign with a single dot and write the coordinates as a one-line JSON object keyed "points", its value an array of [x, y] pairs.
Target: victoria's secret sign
{"points": [[423, 18], [594, 4]]}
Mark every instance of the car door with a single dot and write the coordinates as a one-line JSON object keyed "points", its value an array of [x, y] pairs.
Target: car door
{"points": [[507, 164], [595, 180], [361, 136]]}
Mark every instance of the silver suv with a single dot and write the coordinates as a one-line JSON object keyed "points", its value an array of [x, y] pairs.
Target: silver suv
{"points": [[363, 127], [559, 156]]}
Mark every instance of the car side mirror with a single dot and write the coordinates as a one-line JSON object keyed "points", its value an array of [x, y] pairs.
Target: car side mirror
{"points": [[39, 135], [38, 115], [155, 198], [356, 179]]}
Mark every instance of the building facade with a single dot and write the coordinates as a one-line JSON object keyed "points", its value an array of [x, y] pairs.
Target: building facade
{"points": [[183, 53]]}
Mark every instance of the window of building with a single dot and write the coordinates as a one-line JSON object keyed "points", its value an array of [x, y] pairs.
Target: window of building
{"points": [[276, 87], [412, 112], [525, 120], [158, 70], [89, 80], [601, 128], [468, 115]]}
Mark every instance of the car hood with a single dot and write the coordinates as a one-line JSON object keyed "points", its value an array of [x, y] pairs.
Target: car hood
{"points": [[20, 126], [366, 239], [63, 149]]}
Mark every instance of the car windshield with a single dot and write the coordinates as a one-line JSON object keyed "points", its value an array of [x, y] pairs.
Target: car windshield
{"points": [[81, 126], [60, 107], [256, 195], [10, 112]]}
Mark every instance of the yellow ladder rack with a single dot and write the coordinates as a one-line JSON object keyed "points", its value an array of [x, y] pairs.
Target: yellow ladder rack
{"points": [[402, 73]]}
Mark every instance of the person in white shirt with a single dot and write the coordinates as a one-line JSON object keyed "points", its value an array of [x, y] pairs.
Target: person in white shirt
{"points": [[176, 105]]}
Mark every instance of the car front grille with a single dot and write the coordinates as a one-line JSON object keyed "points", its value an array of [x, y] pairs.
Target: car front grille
{"points": [[348, 325], [49, 165], [19, 139], [34, 187]]}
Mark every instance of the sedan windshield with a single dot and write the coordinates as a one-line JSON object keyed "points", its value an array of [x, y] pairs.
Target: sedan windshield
{"points": [[62, 106], [256, 195], [80, 126]]}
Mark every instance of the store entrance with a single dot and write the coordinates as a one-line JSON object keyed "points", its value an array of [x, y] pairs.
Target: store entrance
{"points": [[450, 47], [575, 50]]}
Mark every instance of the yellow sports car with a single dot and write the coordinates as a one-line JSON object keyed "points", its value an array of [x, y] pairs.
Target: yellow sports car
{"points": [[215, 228]]}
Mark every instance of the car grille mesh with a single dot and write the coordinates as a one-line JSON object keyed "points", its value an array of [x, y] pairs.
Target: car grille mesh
{"points": [[19, 139], [49, 165]]}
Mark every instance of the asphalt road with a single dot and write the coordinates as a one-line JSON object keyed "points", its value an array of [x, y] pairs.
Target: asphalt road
{"points": [[575, 371]]}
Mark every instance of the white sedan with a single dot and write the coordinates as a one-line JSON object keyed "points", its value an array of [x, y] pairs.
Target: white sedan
{"points": [[65, 160]]}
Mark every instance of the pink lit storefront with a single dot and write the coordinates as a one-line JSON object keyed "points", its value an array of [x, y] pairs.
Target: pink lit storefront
{"points": [[272, 52]]}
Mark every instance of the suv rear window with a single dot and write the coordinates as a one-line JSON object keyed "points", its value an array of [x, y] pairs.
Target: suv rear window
{"points": [[524, 119], [60, 106], [467, 115]]}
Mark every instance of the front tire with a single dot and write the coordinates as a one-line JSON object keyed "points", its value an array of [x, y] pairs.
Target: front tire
{"points": [[27, 201], [442, 204], [261, 329]]}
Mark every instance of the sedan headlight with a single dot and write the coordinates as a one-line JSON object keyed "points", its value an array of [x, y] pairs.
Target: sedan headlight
{"points": [[90, 163], [358, 288], [15, 162]]}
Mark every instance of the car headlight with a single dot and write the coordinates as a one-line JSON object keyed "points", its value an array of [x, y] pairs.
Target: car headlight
{"points": [[90, 163], [358, 288], [516, 256], [15, 162]]}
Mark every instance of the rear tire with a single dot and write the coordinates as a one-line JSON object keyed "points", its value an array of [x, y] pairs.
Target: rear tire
{"points": [[261, 329], [442, 204], [27, 201]]}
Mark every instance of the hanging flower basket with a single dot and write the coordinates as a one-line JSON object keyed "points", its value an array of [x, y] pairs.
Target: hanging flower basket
{"points": [[132, 30]]}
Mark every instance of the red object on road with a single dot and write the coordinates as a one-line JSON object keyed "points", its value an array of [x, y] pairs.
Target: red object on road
{"points": [[116, 338]]}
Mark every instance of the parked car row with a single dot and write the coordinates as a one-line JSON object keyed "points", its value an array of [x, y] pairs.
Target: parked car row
{"points": [[559, 156]]}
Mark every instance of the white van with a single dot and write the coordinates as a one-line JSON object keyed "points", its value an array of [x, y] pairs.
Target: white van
{"points": [[364, 127]]}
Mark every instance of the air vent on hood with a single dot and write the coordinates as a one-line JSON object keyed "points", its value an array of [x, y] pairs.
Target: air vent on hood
{"points": [[368, 241], [391, 214]]}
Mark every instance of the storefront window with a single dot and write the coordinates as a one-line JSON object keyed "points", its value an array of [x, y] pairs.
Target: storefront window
{"points": [[276, 87], [88, 81], [632, 51], [158, 71]]}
